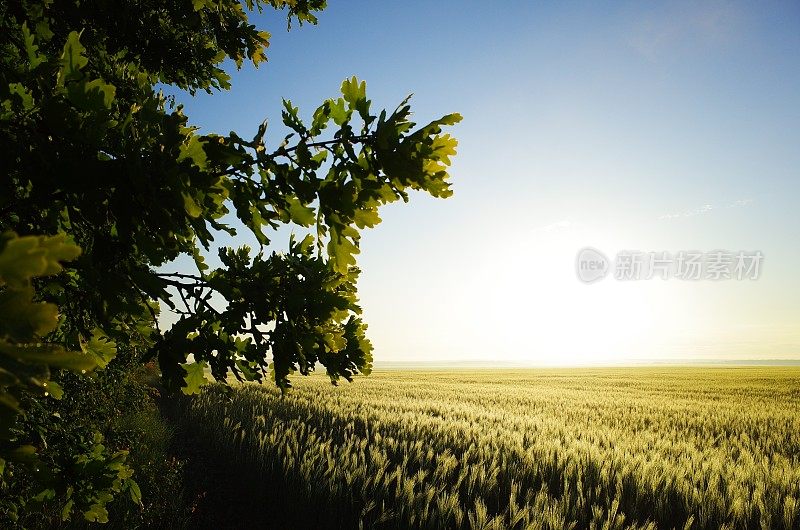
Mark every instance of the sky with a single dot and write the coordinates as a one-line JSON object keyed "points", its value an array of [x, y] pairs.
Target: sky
{"points": [[626, 127]]}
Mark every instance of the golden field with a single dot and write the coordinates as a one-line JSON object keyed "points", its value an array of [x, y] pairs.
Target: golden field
{"points": [[605, 448]]}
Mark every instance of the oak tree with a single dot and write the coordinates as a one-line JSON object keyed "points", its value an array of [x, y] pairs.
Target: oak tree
{"points": [[95, 157]]}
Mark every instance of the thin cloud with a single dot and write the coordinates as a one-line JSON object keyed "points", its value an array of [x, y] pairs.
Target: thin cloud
{"points": [[706, 208], [689, 213], [740, 203]]}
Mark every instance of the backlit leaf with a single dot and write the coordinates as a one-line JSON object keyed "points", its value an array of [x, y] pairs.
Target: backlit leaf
{"points": [[195, 377], [300, 213], [100, 347], [353, 90], [72, 59]]}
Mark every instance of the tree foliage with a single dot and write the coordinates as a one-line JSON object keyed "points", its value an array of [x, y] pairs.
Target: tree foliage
{"points": [[25, 362], [25, 375], [96, 158]]}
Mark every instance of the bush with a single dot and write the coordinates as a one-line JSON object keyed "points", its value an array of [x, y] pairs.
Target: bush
{"points": [[113, 412]]}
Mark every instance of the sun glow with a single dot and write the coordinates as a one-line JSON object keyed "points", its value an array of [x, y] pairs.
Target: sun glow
{"points": [[545, 315], [523, 305]]}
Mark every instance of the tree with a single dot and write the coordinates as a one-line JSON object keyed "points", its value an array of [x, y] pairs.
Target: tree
{"points": [[95, 155]]}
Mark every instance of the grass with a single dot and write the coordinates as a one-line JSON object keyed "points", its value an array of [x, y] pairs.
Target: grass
{"points": [[583, 448]]}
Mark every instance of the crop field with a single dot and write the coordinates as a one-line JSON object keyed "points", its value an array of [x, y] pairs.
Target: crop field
{"points": [[607, 448]]}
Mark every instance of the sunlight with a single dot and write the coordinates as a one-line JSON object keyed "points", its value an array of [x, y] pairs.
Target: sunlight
{"points": [[538, 312]]}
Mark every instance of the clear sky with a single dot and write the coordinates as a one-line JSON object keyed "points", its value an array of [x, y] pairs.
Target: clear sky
{"points": [[622, 126]]}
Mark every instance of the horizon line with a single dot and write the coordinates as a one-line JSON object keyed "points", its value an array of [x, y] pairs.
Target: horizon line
{"points": [[616, 364]]}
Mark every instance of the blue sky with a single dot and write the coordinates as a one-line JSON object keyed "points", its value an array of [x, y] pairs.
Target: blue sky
{"points": [[648, 126]]}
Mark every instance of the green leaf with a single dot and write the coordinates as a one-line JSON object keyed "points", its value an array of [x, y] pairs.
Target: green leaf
{"points": [[195, 377], [354, 91], [258, 53], [54, 389], [57, 248], [51, 354], [97, 513], [290, 117], [92, 96], [43, 30], [45, 495], [67, 509], [444, 147], [23, 318], [34, 57], [307, 244], [300, 213], [338, 111], [25, 96], [199, 260], [191, 207], [193, 150], [448, 119], [26, 257], [341, 249], [320, 119], [72, 59], [136, 493], [366, 218], [100, 347], [334, 341]]}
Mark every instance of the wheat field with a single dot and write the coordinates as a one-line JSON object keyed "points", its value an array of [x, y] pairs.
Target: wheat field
{"points": [[606, 448]]}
